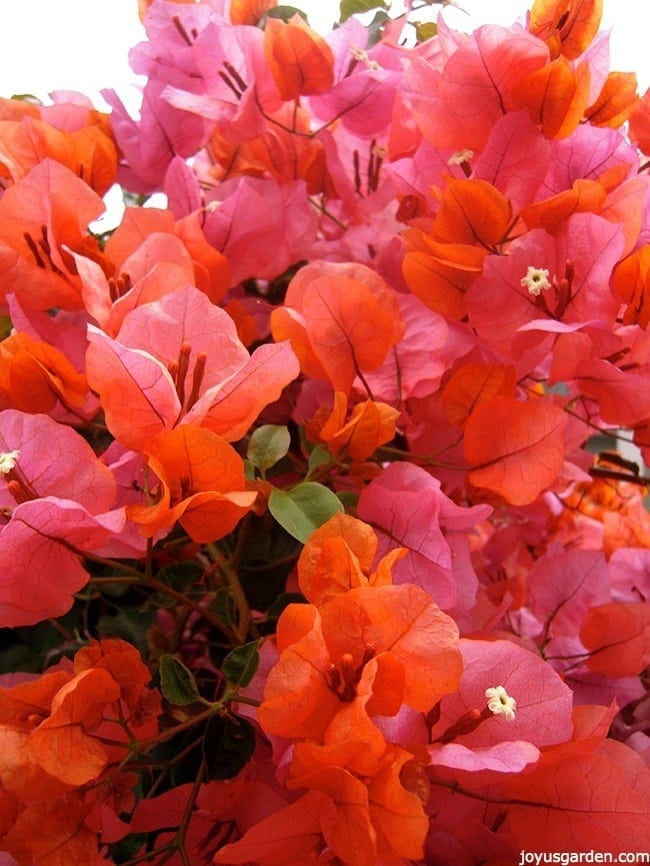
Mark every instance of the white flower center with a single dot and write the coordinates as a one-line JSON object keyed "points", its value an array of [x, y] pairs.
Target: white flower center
{"points": [[460, 157], [8, 461], [500, 703], [536, 280]]}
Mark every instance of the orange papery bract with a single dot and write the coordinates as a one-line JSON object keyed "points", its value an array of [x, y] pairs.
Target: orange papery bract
{"points": [[370, 425], [35, 376], [339, 556], [516, 448], [631, 281], [615, 101], [472, 212], [556, 96], [473, 384], [300, 60], [249, 11], [618, 637], [201, 481], [568, 26]]}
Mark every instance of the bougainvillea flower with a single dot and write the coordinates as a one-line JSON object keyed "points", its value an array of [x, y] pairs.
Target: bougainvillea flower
{"points": [[56, 498], [265, 247], [563, 585], [210, 267], [150, 143], [180, 358], [507, 694], [341, 319], [49, 536], [42, 217], [340, 555], [323, 655], [597, 799], [364, 820], [36, 377], [370, 425], [201, 484], [456, 106], [52, 460], [615, 101], [88, 152], [566, 27], [556, 96], [515, 159], [575, 288], [406, 507], [300, 60]]}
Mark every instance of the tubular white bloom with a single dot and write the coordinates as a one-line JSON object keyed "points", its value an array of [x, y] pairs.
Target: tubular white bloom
{"points": [[536, 280], [8, 461], [500, 703]]}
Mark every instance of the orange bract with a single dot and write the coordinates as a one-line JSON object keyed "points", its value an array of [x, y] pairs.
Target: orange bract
{"points": [[556, 96], [473, 384], [339, 556], [549, 214], [249, 11], [370, 425], [567, 26], [515, 447], [202, 485], [631, 281], [615, 101], [472, 212], [618, 636], [300, 60], [34, 376], [440, 273]]}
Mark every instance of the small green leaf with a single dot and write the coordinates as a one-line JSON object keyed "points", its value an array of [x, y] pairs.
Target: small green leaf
{"points": [[177, 682], [180, 576], [240, 664], [228, 746], [285, 13], [267, 445], [223, 606], [320, 456], [353, 7], [304, 508], [425, 30]]}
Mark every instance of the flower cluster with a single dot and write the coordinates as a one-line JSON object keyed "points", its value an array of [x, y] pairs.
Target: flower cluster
{"points": [[326, 448]]}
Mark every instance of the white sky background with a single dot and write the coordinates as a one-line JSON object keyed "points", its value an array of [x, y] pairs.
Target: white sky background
{"points": [[83, 44]]}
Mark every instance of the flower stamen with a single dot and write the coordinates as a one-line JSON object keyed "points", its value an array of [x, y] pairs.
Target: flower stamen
{"points": [[500, 703]]}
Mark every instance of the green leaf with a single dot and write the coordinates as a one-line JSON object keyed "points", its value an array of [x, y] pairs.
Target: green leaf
{"points": [[425, 30], [267, 445], [353, 7], [179, 576], [240, 664], [223, 606], [284, 13], [177, 682], [320, 456], [304, 508], [228, 746]]}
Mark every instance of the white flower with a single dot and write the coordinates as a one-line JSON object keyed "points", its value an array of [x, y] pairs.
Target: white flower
{"points": [[8, 461], [500, 703], [460, 157], [536, 280]]}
